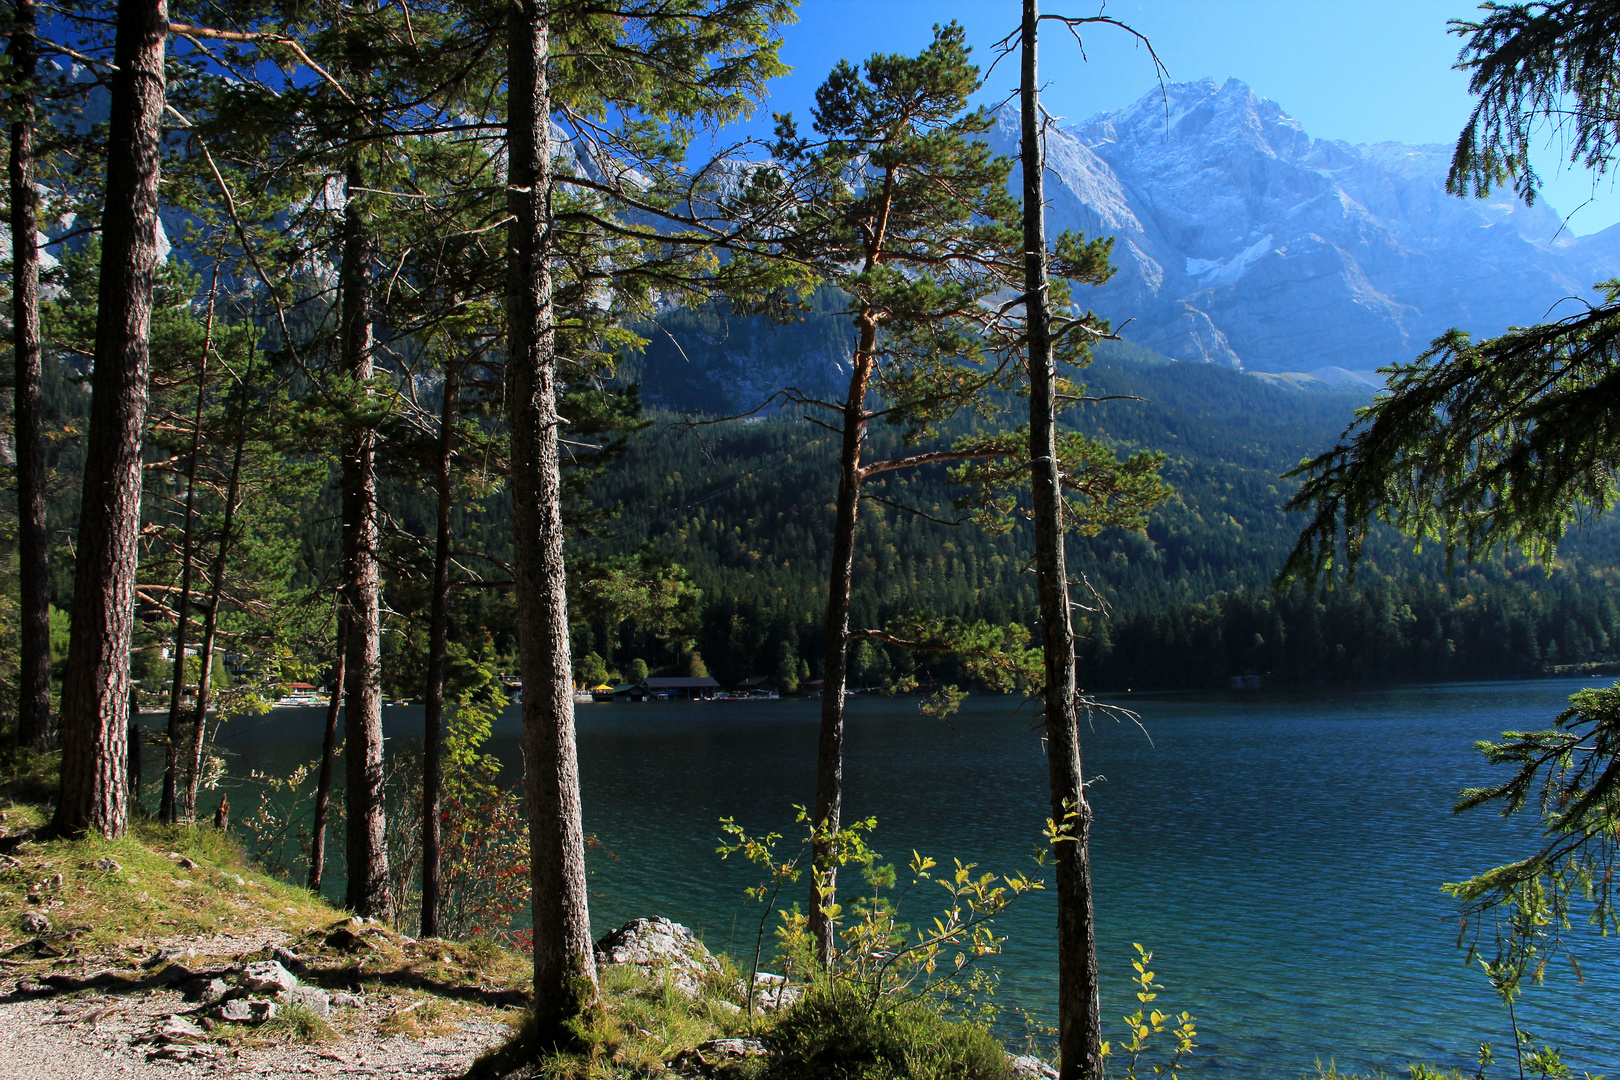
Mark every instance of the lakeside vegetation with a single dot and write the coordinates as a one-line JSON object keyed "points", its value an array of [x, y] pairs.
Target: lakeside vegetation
{"points": [[335, 376]]}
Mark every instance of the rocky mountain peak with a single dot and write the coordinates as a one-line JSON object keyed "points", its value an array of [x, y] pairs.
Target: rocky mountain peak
{"points": [[1242, 240]]}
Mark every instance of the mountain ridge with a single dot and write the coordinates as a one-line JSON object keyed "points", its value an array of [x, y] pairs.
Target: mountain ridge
{"points": [[1242, 240]]}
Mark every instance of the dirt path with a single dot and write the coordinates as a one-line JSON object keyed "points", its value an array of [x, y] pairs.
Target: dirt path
{"points": [[146, 1027], [99, 1036]]}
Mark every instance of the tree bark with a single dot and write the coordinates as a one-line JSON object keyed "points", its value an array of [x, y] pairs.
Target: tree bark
{"points": [[367, 846], [1079, 1005], [216, 595], [323, 785], [438, 634], [34, 630], [830, 749], [168, 806], [95, 688], [564, 968]]}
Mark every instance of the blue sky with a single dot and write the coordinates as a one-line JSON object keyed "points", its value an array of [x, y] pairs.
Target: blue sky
{"points": [[1358, 70]]}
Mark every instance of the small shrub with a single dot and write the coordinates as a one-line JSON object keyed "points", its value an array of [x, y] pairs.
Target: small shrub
{"points": [[296, 1023], [834, 1032]]}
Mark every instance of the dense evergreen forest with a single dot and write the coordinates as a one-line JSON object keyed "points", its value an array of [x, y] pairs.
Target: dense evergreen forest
{"points": [[743, 507]]}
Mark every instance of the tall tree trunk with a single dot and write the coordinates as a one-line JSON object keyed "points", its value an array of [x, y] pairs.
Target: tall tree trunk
{"points": [[95, 687], [216, 595], [830, 750], [1079, 1006], [564, 968], [367, 845], [34, 631], [323, 785], [168, 806], [438, 634]]}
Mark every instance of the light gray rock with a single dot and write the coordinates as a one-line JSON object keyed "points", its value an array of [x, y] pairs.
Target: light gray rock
{"points": [[205, 991], [659, 946], [268, 977], [246, 1011], [314, 999], [35, 923], [341, 1000], [108, 865], [1030, 1068], [772, 992], [178, 1029]]}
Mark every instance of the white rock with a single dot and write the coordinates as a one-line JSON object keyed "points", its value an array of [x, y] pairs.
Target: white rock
{"points": [[657, 946], [35, 923], [269, 977], [1030, 1068], [314, 999]]}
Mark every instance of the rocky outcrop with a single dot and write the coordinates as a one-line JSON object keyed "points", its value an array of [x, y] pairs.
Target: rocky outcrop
{"points": [[1241, 240], [660, 948]]}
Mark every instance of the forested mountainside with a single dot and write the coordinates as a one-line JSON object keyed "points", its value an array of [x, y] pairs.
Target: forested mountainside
{"points": [[744, 506]]}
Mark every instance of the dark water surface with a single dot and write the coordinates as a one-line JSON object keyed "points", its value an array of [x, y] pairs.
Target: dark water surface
{"points": [[1280, 853]]}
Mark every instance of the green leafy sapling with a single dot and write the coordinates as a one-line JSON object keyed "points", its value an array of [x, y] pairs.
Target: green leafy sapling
{"points": [[1148, 1021]]}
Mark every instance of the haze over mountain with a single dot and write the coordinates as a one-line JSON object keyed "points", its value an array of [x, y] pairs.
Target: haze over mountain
{"points": [[1241, 240]]}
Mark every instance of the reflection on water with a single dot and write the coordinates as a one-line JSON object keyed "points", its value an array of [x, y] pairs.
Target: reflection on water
{"points": [[1281, 854]]}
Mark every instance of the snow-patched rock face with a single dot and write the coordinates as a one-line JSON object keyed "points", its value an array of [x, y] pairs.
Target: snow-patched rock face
{"points": [[1241, 240]]}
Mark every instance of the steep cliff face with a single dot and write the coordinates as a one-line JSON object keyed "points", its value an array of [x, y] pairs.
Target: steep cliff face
{"points": [[1240, 240]]}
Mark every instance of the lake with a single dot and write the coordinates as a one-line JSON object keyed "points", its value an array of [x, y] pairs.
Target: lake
{"points": [[1281, 853]]}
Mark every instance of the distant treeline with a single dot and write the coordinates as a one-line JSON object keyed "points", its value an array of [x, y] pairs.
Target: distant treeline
{"points": [[743, 508]]}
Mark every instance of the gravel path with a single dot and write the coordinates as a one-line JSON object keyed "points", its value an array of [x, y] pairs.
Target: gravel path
{"points": [[101, 1037]]}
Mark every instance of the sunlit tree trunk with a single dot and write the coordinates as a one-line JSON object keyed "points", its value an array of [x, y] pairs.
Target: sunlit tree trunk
{"points": [[95, 687], [367, 845], [33, 573], [830, 749], [564, 968], [1079, 1012]]}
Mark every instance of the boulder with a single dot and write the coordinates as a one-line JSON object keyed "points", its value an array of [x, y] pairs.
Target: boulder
{"points": [[205, 991], [269, 977], [246, 1011], [773, 992], [659, 946], [1030, 1068], [35, 923], [347, 1001], [178, 1029], [314, 999]]}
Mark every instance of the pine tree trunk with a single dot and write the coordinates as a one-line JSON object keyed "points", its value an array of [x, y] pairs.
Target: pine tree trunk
{"points": [[33, 573], [95, 686], [367, 845], [564, 967], [168, 806], [323, 785], [438, 634], [1079, 1012], [216, 595], [830, 750]]}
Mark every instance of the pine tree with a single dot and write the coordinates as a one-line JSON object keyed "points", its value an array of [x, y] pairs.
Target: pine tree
{"points": [[34, 667], [95, 689]]}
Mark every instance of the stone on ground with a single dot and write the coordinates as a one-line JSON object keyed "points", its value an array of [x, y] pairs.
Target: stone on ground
{"points": [[657, 946]]}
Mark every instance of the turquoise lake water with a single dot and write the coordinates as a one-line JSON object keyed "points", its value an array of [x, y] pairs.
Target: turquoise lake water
{"points": [[1281, 853]]}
